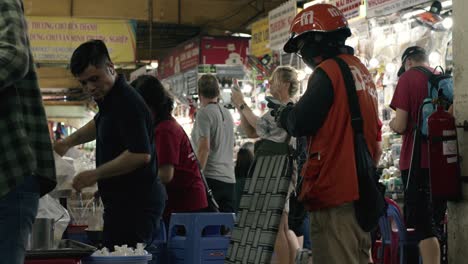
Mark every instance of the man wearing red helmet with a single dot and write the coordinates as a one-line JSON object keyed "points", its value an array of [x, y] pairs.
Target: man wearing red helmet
{"points": [[330, 186]]}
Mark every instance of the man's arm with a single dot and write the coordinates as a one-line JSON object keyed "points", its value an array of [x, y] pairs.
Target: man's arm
{"points": [[134, 134], [14, 51], [166, 173], [307, 116], [203, 151], [124, 163], [398, 124], [84, 134]]}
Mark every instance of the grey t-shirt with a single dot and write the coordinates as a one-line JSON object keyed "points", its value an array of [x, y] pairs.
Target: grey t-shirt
{"points": [[215, 123]]}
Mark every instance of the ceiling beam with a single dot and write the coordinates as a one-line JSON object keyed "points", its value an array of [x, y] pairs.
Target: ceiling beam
{"points": [[65, 102]]}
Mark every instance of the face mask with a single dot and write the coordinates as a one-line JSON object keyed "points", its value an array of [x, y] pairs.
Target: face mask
{"points": [[310, 54]]}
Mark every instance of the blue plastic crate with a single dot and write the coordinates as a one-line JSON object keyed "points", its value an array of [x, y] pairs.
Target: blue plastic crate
{"points": [[202, 239]]}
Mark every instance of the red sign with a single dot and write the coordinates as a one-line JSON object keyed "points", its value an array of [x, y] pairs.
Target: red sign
{"points": [[224, 50], [182, 58], [207, 50]]}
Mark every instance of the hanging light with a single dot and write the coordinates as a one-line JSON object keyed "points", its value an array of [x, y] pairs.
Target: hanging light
{"points": [[447, 22], [154, 64], [301, 75], [261, 97], [308, 70], [247, 88], [390, 67], [373, 63]]}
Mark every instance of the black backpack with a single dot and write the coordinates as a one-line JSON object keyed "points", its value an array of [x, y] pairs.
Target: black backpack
{"points": [[371, 204]]}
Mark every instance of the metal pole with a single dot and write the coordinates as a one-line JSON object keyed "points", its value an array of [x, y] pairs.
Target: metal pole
{"points": [[179, 7], [150, 26]]}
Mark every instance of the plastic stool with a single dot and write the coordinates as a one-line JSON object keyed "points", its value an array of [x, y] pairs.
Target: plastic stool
{"points": [[204, 240]]}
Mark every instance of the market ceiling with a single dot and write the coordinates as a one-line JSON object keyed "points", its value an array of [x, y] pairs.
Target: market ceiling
{"points": [[174, 20]]}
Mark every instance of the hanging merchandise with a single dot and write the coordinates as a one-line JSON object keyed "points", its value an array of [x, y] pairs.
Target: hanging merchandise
{"points": [[432, 18], [386, 7]]}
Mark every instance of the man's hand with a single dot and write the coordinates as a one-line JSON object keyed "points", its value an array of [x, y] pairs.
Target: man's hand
{"points": [[237, 98], [85, 179], [61, 147]]}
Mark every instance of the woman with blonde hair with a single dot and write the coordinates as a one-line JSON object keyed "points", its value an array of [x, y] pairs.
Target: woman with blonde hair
{"points": [[284, 85]]}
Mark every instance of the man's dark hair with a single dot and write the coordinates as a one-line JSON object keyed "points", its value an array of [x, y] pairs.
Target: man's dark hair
{"points": [[208, 86], [419, 57], [93, 52], [156, 97]]}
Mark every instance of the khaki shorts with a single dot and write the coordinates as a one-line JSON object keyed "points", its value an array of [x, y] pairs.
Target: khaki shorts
{"points": [[337, 238]]}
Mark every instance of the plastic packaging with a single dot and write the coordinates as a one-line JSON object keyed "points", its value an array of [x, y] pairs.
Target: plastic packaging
{"points": [[65, 171], [95, 217]]}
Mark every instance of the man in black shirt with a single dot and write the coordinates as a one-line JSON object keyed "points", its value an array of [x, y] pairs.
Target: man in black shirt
{"points": [[126, 172]]}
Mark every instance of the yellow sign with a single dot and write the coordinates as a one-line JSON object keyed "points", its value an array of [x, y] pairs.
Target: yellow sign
{"points": [[53, 39], [260, 38]]}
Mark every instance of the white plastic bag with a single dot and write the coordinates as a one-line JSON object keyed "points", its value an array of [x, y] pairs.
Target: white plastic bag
{"points": [[65, 172], [51, 208]]}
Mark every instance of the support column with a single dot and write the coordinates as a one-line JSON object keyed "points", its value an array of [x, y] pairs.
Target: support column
{"points": [[458, 212]]}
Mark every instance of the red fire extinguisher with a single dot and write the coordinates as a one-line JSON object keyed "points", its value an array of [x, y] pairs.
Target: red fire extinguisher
{"points": [[444, 167]]}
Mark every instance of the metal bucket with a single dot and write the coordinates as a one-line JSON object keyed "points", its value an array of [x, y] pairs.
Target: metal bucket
{"points": [[42, 235]]}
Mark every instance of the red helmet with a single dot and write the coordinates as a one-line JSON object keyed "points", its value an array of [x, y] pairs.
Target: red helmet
{"points": [[316, 18]]}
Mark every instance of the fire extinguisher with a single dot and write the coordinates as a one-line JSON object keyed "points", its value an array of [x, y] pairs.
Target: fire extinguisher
{"points": [[444, 167]]}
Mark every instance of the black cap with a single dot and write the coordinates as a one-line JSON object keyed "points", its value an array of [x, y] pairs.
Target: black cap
{"points": [[409, 52]]}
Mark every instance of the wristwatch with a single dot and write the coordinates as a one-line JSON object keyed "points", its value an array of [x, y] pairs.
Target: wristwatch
{"points": [[242, 106]]}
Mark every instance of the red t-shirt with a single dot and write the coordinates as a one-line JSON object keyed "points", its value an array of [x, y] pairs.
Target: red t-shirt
{"points": [[186, 191], [409, 95]]}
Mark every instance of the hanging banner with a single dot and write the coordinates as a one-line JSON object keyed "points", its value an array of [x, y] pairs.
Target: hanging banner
{"points": [[385, 7], [350, 8], [280, 20], [260, 38], [182, 58], [53, 39]]}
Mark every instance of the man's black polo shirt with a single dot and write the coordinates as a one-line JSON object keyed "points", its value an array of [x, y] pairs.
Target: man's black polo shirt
{"points": [[124, 122]]}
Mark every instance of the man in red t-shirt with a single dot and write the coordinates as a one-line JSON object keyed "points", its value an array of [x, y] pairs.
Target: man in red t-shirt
{"points": [[420, 213]]}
